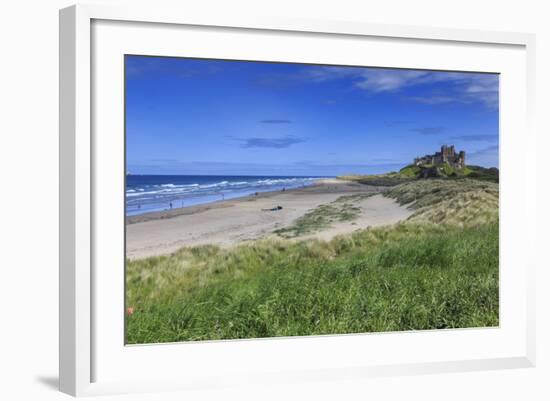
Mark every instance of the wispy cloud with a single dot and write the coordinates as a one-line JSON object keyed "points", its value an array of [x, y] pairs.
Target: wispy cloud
{"points": [[274, 143], [428, 130], [463, 87], [466, 88], [475, 138], [276, 121], [391, 80]]}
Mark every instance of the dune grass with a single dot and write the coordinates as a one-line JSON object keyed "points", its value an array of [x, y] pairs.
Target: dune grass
{"points": [[342, 209], [439, 269], [464, 202], [409, 277], [381, 180]]}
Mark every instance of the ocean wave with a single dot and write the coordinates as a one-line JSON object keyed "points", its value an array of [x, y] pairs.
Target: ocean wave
{"points": [[274, 181], [218, 184], [178, 185], [164, 192], [159, 196], [170, 188]]}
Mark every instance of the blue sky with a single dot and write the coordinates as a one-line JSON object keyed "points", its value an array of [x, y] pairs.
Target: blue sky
{"points": [[214, 117]]}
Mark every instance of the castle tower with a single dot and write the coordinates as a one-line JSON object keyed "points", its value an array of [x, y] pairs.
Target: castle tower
{"points": [[462, 158], [444, 153]]}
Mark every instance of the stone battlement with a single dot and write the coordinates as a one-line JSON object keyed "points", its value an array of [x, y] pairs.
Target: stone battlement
{"points": [[446, 156]]}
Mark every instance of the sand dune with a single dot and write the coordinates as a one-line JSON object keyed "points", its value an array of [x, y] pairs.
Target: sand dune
{"points": [[229, 222]]}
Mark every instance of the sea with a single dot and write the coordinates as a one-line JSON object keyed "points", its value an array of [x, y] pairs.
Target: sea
{"points": [[149, 193]]}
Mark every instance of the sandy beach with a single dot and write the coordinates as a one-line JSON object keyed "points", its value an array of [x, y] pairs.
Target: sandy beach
{"points": [[230, 222]]}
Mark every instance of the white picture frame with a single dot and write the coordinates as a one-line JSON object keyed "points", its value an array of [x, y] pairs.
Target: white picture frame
{"points": [[83, 352]]}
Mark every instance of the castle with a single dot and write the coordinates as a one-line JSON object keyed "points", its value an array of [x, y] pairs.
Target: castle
{"points": [[447, 155]]}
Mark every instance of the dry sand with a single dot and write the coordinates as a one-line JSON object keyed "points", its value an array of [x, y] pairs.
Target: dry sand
{"points": [[229, 222]]}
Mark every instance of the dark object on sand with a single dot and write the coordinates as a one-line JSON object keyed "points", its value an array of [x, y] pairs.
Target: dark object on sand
{"points": [[273, 209]]}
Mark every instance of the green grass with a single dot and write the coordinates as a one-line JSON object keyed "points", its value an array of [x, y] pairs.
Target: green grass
{"points": [[405, 278], [342, 209], [380, 180], [427, 171], [439, 269], [410, 171]]}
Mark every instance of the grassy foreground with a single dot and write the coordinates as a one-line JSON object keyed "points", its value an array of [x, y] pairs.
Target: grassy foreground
{"points": [[426, 273]]}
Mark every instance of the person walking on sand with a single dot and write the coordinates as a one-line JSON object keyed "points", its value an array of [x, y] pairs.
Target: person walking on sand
{"points": [[170, 205]]}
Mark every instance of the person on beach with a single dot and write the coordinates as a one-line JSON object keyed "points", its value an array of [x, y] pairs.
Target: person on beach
{"points": [[170, 205], [273, 209]]}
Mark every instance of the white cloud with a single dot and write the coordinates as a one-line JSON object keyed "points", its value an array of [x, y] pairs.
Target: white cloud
{"points": [[389, 80], [371, 79], [463, 87]]}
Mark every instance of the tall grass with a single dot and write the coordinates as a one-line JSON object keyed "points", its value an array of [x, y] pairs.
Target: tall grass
{"points": [[342, 209], [409, 277], [464, 202]]}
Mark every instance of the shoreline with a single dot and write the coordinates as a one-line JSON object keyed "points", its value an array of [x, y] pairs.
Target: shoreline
{"points": [[230, 222], [186, 210], [229, 190]]}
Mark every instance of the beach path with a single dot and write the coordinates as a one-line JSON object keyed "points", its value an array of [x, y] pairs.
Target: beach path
{"points": [[230, 222]]}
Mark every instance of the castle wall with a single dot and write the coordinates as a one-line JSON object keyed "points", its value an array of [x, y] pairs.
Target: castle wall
{"points": [[447, 155]]}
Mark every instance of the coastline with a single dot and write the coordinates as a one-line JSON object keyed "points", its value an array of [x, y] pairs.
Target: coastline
{"points": [[149, 193], [181, 211], [229, 222]]}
